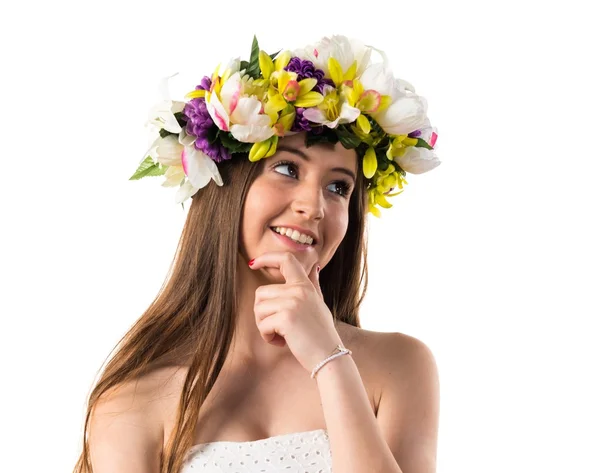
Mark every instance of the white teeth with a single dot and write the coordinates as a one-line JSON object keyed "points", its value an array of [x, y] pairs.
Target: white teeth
{"points": [[294, 235]]}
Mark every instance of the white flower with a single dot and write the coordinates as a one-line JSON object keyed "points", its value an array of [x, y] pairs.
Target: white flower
{"points": [[162, 115], [343, 49], [417, 160], [378, 77], [199, 168], [188, 167], [233, 111], [326, 113], [428, 133], [348, 114], [406, 113]]}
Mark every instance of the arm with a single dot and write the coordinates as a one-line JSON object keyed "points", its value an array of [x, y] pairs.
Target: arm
{"points": [[124, 435], [403, 436], [409, 409]]}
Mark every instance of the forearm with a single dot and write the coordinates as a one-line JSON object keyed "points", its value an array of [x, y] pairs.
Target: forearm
{"points": [[357, 444]]}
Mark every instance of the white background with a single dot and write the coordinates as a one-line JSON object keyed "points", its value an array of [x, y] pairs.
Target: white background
{"points": [[491, 259]]}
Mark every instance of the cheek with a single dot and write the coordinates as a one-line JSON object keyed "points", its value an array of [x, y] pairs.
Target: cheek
{"points": [[257, 211], [336, 230]]}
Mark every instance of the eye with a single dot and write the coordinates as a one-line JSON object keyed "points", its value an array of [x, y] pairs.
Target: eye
{"points": [[342, 187], [288, 164]]}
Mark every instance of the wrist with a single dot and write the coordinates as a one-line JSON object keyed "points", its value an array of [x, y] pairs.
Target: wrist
{"points": [[338, 352]]}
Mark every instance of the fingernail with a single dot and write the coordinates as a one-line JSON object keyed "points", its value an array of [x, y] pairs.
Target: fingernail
{"points": [[251, 262], [318, 269]]}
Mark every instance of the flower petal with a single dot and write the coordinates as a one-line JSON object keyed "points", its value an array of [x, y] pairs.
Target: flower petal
{"points": [[230, 92], [417, 160], [310, 99], [217, 112], [199, 168], [403, 116], [252, 133], [348, 114], [174, 176], [315, 115], [169, 151], [185, 139], [185, 192], [266, 64], [248, 111], [306, 85], [335, 71], [259, 150], [378, 77], [363, 124], [369, 163]]}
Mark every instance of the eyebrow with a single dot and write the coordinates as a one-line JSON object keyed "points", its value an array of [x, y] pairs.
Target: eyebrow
{"points": [[304, 156]]}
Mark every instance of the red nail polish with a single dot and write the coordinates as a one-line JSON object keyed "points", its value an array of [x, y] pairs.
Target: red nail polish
{"points": [[251, 262], [318, 269]]}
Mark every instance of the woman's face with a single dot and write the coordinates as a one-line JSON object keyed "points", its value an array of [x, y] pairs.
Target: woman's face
{"points": [[309, 191]]}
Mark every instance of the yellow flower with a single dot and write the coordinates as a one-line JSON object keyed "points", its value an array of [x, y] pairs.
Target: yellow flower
{"points": [[398, 146], [263, 149], [384, 181], [367, 101], [284, 88]]}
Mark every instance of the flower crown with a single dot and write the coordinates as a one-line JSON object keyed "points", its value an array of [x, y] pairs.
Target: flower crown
{"points": [[330, 90]]}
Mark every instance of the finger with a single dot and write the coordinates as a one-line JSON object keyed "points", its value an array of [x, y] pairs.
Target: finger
{"points": [[270, 307], [285, 261], [314, 278], [270, 331], [270, 291]]}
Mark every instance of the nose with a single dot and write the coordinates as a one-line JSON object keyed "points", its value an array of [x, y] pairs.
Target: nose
{"points": [[308, 200]]}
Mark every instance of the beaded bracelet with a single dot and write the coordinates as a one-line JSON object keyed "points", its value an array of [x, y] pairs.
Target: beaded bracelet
{"points": [[339, 351]]}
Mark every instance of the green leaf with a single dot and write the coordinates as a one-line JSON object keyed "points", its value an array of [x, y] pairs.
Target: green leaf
{"points": [[253, 69], [181, 119], [421, 143], [232, 144], [274, 55], [212, 134], [164, 133], [348, 139], [375, 127], [148, 168]]}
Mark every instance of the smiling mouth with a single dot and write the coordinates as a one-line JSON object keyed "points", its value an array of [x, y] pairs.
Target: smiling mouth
{"points": [[291, 239]]}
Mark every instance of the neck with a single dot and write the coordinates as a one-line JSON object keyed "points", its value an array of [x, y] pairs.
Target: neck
{"points": [[248, 346]]}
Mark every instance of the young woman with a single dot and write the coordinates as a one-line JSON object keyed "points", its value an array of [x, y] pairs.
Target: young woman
{"points": [[251, 358]]}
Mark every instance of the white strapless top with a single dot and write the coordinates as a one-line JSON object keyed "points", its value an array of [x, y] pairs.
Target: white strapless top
{"points": [[298, 452]]}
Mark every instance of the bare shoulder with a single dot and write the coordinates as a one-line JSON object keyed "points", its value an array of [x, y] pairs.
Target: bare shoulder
{"points": [[388, 348], [389, 356], [401, 356], [126, 430]]}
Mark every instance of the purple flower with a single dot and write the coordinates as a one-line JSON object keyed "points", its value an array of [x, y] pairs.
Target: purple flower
{"points": [[300, 123], [414, 134], [205, 84], [307, 70], [200, 125]]}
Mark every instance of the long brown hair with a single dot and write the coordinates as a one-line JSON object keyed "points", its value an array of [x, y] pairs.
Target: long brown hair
{"points": [[196, 305]]}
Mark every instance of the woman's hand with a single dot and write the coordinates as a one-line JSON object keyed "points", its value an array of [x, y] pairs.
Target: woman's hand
{"points": [[295, 310]]}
